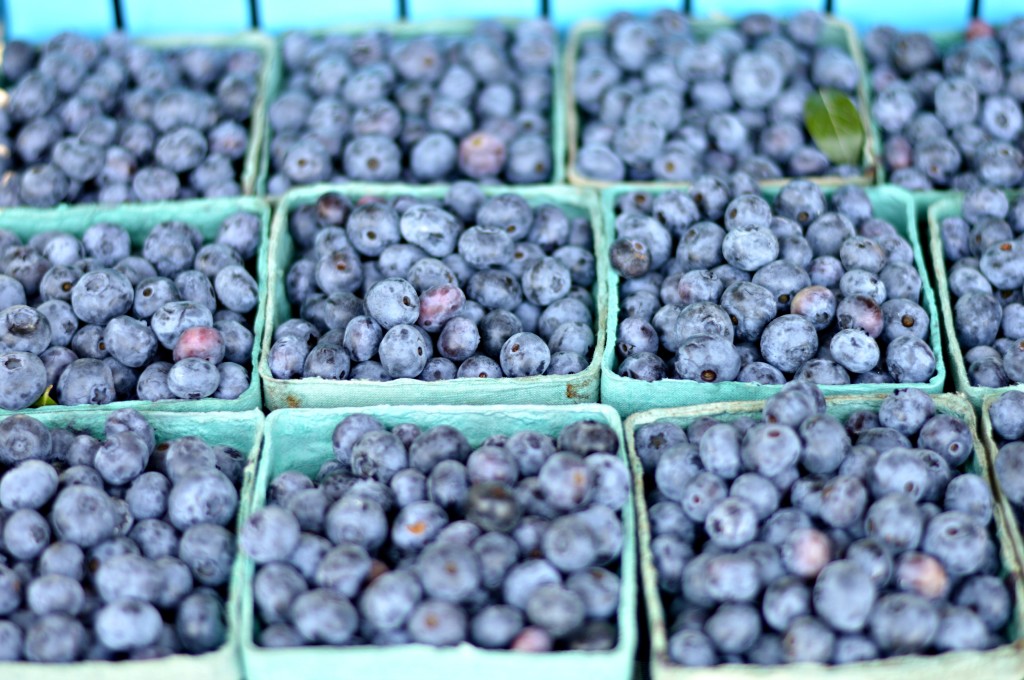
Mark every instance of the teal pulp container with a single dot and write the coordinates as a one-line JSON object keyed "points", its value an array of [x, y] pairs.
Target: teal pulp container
{"points": [[240, 430], [542, 389], [629, 395], [301, 440], [406, 30], [139, 219], [1005, 662]]}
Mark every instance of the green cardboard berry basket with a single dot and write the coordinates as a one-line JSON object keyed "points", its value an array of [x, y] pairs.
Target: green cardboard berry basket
{"points": [[542, 389], [138, 219], [270, 73], [240, 430], [629, 395], [408, 30], [301, 440], [950, 207], [837, 33], [1005, 662]]}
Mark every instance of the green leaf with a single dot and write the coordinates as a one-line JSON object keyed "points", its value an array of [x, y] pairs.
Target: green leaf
{"points": [[835, 126], [45, 399]]}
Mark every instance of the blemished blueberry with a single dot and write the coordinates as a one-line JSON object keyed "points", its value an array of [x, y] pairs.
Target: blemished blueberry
{"points": [[524, 354], [404, 351], [707, 359], [948, 436], [805, 552]]}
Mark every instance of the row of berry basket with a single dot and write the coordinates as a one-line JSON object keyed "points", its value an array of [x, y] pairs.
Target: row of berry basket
{"points": [[301, 441], [600, 379], [258, 169]]}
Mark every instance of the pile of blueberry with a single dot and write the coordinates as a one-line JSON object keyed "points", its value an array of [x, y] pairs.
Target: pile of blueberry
{"points": [[720, 285], [468, 287], [113, 121], [1007, 415], [949, 118], [113, 549], [986, 273], [659, 103], [433, 108], [798, 538], [413, 536], [98, 323]]}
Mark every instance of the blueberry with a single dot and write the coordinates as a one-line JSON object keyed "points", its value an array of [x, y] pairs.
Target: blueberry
{"points": [[404, 351], [788, 342], [947, 436], [708, 359], [323, 616], [1006, 415], [378, 454], [202, 496], [495, 626], [524, 354], [390, 599], [269, 534], [844, 595], [193, 378], [209, 551], [127, 625], [957, 541], [903, 623], [86, 381], [692, 648], [357, 520], [55, 638], [200, 623]]}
